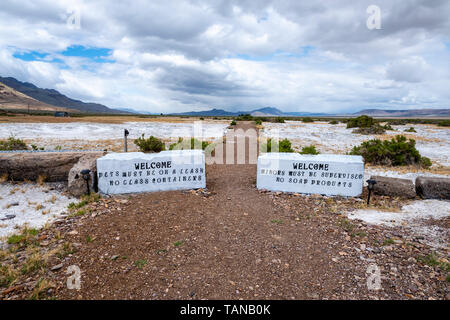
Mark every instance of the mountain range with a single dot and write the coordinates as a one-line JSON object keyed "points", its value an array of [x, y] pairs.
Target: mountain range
{"points": [[15, 94], [261, 112], [18, 95], [274, 112]]}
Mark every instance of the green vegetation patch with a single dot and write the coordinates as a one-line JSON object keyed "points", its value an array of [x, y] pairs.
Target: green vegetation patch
{"points": [[12, 144], [275, 146], [360, 122], [309, 150], [151, 144], [395, 152], [189, 144]]}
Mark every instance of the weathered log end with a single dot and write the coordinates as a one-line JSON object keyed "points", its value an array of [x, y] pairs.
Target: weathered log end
{"points": [[433, 188], [53, 166], [394, 187]]}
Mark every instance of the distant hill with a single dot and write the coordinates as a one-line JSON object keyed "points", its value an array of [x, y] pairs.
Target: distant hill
{"points": [[11, 99], [261, 112], [208, 113], [268, 111], [53, 98], [274, 112], [405, 113]]}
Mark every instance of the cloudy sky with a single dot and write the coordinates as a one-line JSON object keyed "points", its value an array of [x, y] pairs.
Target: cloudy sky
{"points": [[175, 56]]}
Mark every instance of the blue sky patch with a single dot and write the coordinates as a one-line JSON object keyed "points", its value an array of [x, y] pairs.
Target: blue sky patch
{"points": [[99, 55], [30, 56]]}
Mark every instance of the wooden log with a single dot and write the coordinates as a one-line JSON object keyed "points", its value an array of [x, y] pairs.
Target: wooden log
{"points": [[394, 187], [433, 188], [54, 166]]}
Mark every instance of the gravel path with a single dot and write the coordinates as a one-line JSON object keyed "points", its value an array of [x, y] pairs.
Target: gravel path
{"points": [[232, 241]]}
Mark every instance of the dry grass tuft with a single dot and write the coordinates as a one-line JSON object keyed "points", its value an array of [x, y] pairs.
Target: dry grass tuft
{"points": [[52, 199], [8, 275], [42, 289], [4, 177], [35, 262], [41, 179], [14, 190]]}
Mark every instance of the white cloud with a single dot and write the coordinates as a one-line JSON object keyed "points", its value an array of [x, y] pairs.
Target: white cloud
{"points": [[412, 69], [193, 54]]}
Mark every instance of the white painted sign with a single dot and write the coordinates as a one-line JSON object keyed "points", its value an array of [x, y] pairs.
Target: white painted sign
{"points": [[134, 172], [326, 174]]}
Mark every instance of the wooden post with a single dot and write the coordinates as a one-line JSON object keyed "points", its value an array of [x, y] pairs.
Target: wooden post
{"points": [[125, 135]]}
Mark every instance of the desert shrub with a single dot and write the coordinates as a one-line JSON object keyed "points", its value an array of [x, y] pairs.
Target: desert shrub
{"points": [[273, 146], [425, 162], [333, 122], [244, 117], [258, 122], [387, 126], [201, 118], [307, 119], [12, 144], [398, 122], [360, 122], [151, 144], [395, 152], [309, 150], [376, 129], [184, 144], [233, 123], [411, 129], [36, 148], [444, 123], [278, 120]]}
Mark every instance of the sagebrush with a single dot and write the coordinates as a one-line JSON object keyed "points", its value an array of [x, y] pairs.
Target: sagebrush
{"points": [[275, 146], [150, 144], [398, 151], [12, 144]]}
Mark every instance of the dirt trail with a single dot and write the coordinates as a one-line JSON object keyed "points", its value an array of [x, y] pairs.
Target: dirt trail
{"points": [[231, 242], [234, 243]]}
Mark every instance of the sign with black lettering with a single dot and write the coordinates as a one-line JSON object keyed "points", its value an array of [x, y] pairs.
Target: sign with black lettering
{"points": [[326, 174], [134, 172]]}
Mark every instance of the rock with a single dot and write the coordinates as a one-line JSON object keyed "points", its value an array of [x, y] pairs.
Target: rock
{"points": [[77, 185], [312, 295], [54, 166], [13, 204], [412, 260], [433, 188], [8, 217], [57, 267], [394, 187]]}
